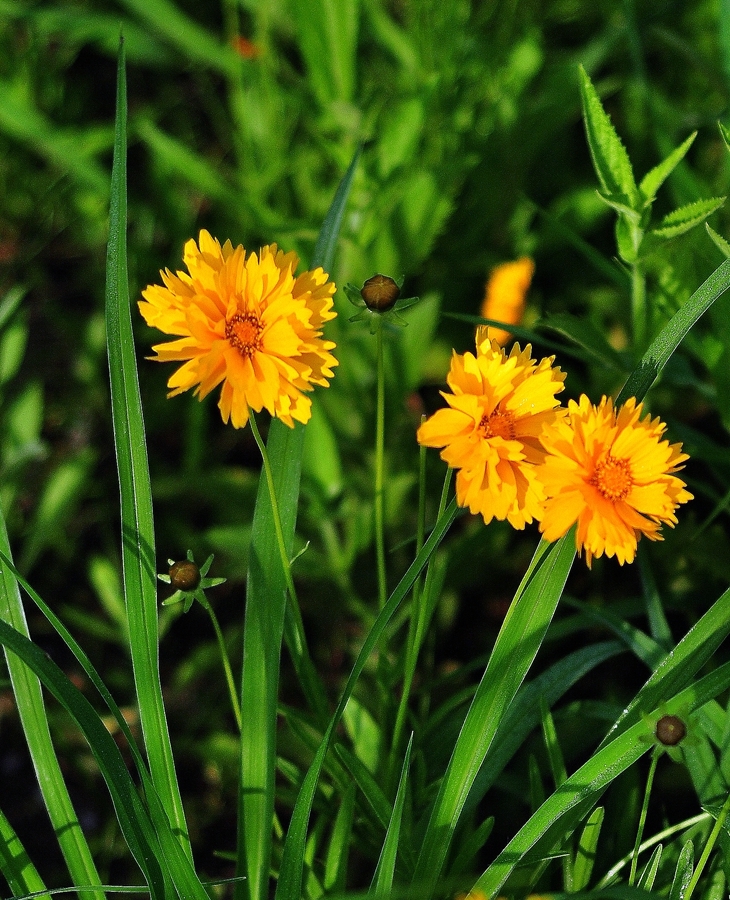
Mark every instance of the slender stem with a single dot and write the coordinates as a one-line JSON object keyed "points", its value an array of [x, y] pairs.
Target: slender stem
{"points": [[296, 638], [642, 817], [638, 308], [702, 861], [226, 664], [379, 470], [416, 613]]}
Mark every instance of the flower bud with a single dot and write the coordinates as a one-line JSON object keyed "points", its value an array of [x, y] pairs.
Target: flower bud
{"points": [[184, 575], [670, 730], [380, 293]]}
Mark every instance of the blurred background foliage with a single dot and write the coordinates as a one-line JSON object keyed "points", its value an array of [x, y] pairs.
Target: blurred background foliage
{"points": [[243, 119]]}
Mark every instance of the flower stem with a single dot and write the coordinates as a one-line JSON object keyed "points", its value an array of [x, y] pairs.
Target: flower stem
{"points": [[226, 664], [379, 470], [638, 308], [642, 818], [702, 861], [296, 638]]}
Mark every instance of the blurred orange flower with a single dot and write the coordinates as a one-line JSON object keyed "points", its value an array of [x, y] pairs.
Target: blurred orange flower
{"points": [[247, 323], [505, 295], [491, 430], [609, 471], [245, 48]]}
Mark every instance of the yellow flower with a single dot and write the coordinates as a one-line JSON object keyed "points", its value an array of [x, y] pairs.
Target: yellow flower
{"points": [[245, 322], [609, 471], [504, 298], [491, 429]]}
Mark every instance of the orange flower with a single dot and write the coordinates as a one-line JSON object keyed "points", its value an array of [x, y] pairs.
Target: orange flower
{"points": [[491, 429], [609, 471], [245, 322], [504, 298]]}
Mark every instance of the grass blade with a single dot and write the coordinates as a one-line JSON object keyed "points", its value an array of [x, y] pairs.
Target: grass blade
{"points": [[32, 712], [658, 354], [15, 864], [290, 875], [385, 870], [561, 811], [138, 541], [514, 651], [264, 620]]}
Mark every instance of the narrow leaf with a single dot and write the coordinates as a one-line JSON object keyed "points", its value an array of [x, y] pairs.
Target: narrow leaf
{"points": [[514, 651], [683, 872], [655, 178], [15, 864], [265, 617], [610, 159], [138, 536], [385, 870], [719, 241], [686, 217], [585, 856], [664, 345], [648, 876]]}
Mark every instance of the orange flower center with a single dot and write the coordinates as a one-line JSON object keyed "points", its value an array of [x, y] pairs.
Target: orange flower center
{"points": [[244, 332], [613, 478], [499, 423]]}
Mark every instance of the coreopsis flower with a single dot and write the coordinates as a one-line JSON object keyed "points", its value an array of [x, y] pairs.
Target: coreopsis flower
{"points": [[491, 429], [610, 471], [505, 295], [246, 323]]}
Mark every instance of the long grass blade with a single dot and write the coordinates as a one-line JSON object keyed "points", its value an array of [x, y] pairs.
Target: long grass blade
{"points": [[264, 621], [32, 712], [15, 864], [290, 876], [560, 812], [385, 870], [138, 541], [514, 651]]}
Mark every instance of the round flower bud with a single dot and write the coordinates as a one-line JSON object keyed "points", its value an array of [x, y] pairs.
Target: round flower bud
{"points": [[670, 730], [380, 293], [184, 575]]}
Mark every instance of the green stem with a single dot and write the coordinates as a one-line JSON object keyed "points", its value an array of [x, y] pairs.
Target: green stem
{"points": [[702, 861], [642, 817], [638, 308], [226, 665], [379, 470], [294, 626]]}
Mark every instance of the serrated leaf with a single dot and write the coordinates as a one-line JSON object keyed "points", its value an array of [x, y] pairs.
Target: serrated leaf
{"points": [[655, 178], [610, 159], [686, 217], [719, 241]]}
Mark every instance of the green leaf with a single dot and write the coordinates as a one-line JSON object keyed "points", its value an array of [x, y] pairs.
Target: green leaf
{"points": [[338, 852], [265, 618], [683, 872], [514, 651], [132, 816], [722, 245], [686, 217], [289, 886], [664, 345], [138, 535], [585, 335], [648, 876], [610, 159], [382, 883], [32, 713], [655, 178], [585, 856], [724, 134], [326, 31], [367, 784], [16, 866], [562, 810]]}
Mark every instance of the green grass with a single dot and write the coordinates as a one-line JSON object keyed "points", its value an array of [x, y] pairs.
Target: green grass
{"points": [[428, 705]]}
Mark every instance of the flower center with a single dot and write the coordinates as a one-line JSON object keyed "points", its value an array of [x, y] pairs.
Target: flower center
{"points": [[499, 423], [244, 332], [613, 478]]}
